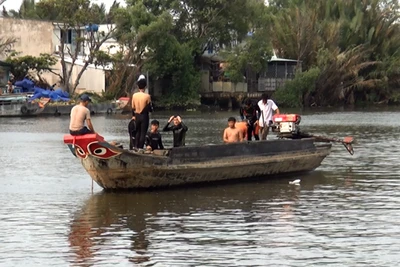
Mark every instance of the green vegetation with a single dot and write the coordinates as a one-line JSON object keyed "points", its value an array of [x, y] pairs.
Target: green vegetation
{"points": [[349, 49], [168, 38], [354, 45], [20, 66], [298, 90]]}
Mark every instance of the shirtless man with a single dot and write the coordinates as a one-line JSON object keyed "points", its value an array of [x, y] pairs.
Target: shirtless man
{"points": [[79, 114], [232, 134], [141, 107]]}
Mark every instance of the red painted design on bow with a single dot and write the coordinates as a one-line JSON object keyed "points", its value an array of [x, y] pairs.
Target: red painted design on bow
{"points": [[99, 151]]}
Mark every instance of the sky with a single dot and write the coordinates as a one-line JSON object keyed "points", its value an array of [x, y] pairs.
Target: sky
{"points": [[15, 4]]}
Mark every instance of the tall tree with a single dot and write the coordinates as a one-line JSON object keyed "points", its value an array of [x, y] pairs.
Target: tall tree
{"points": [[79, 37], [21, 66], [186, 30], [357, 39], [27, 10]]}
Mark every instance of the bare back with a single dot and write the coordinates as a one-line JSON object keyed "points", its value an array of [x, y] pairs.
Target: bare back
{"points": [[140, 101], [78, 116]]}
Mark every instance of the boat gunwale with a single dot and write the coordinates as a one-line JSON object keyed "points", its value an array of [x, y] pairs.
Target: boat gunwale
{"points": [[168, 155], [260, 159]]}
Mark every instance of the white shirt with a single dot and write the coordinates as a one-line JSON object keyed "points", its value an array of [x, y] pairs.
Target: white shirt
{"points": [[266, 111]]}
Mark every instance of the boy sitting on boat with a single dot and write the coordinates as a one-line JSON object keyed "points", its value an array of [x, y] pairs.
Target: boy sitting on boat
{"points": [[153, 138], [232, 134], [178, 129]]}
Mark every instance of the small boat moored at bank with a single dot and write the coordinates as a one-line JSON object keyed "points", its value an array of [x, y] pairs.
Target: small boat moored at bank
{"points": [[12, 105]]}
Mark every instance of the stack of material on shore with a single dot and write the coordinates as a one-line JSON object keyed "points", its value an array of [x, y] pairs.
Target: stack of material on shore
{"points": [[56, 95], [28, 86]]}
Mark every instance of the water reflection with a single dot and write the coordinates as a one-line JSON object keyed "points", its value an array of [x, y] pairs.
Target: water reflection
{"points": [[146, 225], [344, 214]]}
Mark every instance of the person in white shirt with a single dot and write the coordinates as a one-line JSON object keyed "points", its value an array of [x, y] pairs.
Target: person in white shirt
{"points": [[267, 107]]}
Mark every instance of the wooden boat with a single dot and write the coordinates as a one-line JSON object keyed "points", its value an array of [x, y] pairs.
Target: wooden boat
{"points": [[115, 168], [112, 167], [18, 105]]}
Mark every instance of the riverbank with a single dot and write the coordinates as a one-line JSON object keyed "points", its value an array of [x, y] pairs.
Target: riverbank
{"points": [[95, 108]]}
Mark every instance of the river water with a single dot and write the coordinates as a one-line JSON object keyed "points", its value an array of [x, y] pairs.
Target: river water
{"points": [[346, 213]]}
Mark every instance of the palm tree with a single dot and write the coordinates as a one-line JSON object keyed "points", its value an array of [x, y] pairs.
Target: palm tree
{"points": [[355, 44]]}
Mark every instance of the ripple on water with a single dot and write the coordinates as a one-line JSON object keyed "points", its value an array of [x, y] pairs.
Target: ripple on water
{"points": [[344, 214]]}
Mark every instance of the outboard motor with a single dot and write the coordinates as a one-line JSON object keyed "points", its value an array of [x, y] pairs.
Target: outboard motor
{"points": [[286, 123], [287, 126]]}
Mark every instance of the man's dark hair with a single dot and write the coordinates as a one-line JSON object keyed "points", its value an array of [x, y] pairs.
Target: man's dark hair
{"points": [[142, 83], [155, 122], [265, 96], [248, 102], [232, 119]]}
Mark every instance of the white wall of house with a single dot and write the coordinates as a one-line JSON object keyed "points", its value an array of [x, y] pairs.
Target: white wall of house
{"points": [[56, 38], [110, 46], [93, 79], [36, 37]]}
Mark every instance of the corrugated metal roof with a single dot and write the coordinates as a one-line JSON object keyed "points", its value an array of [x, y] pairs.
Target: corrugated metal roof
{"points": [[274, 58]]}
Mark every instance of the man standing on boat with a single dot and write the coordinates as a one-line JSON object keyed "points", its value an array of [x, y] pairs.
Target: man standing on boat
{"points": [[250, 112], [178, 129], [267, 107], [79, 114], [141, 108]]}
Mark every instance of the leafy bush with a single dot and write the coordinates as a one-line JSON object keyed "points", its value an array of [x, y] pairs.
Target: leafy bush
{"points": [[294, 92]]}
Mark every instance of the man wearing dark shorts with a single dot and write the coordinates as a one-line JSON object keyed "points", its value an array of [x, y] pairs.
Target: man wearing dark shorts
{"points": [[132, 134], [250, 112], [79, 114], [141, 108]]}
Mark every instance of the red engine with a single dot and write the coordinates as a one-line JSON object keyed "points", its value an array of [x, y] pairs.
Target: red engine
{"points": [[286, 118], [287, 123]]}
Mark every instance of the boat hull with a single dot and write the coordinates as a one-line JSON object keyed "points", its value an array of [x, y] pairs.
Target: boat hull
{"points": [[20, 109], [130, 170]]}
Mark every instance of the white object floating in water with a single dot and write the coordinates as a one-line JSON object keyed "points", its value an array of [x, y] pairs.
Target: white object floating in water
{"points": [[296, 182]]}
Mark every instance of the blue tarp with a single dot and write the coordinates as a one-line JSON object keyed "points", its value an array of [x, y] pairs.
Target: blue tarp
{"points": [[26, 85], [56, 95], [92, 28]]}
